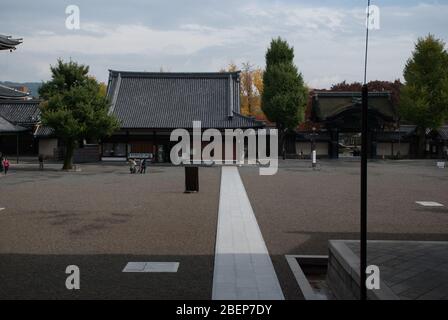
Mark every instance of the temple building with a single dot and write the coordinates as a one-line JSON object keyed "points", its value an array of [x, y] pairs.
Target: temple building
{"points": [[437, 143], [20, 130], [150, 106], [18, 119], [333, 127], [8, 93]]}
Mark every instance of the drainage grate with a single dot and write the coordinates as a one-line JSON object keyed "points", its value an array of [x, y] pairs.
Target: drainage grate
{"points": [[151, 267]]}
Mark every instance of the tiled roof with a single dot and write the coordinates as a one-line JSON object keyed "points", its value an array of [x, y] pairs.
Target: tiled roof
{"points": [[8, 43], [328, 105], [443, 132], [43, 131], [393, 136], [8, 127], [20, 112], [10, 93], [439, 133], [175, 100]]}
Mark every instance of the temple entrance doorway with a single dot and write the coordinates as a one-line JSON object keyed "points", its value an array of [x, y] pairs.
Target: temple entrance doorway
{"points": [[349, 144]]}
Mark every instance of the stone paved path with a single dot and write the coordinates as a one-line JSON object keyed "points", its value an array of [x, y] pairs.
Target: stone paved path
{"points": [[411, 269], [243, 267]]}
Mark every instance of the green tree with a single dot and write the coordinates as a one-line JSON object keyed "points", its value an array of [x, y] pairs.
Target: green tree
{"points": [[75, 107], [284, 93], [424, 97]]}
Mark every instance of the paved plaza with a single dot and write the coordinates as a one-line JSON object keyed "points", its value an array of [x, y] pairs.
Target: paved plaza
{"points": [[102, 218], [299, 209], [411, 269]]}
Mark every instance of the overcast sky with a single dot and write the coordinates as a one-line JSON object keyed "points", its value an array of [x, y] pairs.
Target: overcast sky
{"points": [[206, 35]]}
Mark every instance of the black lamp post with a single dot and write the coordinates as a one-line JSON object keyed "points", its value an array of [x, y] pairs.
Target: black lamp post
{"points": [[364, 154]]}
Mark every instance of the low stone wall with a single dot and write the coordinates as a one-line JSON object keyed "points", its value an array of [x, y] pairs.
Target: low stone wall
{"points": [[339, 276], [343, 274]]}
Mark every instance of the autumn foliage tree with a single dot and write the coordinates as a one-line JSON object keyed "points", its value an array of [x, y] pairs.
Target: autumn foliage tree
{"points": [[251, 87], [374, 86]]}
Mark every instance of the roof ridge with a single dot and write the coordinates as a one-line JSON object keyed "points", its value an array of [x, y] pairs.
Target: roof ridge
{"points": [[350, 93], [19, 101], [150, 74]]}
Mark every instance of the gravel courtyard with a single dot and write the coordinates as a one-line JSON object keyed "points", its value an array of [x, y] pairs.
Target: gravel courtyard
{"points": [[100, 219], [103, 217], [299, 209]]}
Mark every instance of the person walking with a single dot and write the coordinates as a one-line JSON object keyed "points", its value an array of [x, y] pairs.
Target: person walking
{"points": [[5, 163]]}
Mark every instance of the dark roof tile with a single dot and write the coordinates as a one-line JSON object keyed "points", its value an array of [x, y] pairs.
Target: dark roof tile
{"points": [[8, 127], [175, 100], [11, 93], [43, 132], [20, 112]]}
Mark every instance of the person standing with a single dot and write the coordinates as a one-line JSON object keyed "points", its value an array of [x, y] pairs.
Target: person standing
{"points": [[41, 162], [132, 165], [143, 166], [5, 163]]}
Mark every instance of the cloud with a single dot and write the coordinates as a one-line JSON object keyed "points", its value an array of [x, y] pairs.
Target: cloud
{"points": [[206, 35], [124, 39], [97, 39], [300, 17]]}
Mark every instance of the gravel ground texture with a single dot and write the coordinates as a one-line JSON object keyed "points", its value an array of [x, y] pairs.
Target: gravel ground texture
{"points": [[99, 219], [299, 209]]}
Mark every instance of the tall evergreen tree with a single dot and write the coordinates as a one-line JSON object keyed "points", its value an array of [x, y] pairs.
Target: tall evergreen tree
{"points": [[424, 97], [284, 94], [75, 107]]}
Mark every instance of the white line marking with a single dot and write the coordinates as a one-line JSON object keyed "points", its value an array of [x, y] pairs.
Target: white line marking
{"points": [[2, 209], [429, 204], [243, 267], [151, 267]]}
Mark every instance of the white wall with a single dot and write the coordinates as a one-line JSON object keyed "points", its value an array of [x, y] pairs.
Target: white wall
{"points": [[385, 149], [305, 147], [47, 146]]}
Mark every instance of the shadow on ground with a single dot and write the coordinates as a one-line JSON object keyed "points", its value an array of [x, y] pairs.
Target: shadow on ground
{"points": [[24, 276]]}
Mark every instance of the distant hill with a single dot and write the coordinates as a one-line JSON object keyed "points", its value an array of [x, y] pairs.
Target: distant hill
{"points": [[32, 86]]}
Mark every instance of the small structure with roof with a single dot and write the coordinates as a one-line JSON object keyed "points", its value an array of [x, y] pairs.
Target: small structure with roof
{"points": [[437, 143], [150, 106], [333, 124]]}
